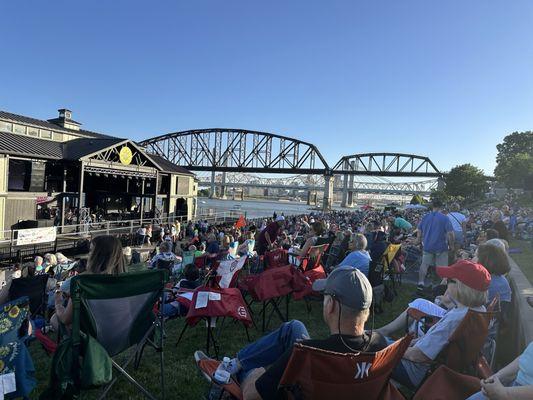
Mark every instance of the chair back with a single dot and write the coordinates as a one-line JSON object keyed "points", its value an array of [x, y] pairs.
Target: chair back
{"points": [[232, 250], [201, 261], [466, 342], [115, 310], [34, 287], [276, 258], [313, 257], [390, 253], [250, 246], [165, 264], [319, 374], [187, 257], [228, 271]]}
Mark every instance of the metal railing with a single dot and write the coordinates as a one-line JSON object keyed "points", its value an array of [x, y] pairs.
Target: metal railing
{"points": [[70, 237]]}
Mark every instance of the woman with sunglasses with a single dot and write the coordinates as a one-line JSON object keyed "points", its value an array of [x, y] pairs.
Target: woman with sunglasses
{"points": [[468, 285]]}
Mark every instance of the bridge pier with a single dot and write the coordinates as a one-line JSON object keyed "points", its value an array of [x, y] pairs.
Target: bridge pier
{"points": [[345, 178], [223, 187], [327, 201], [312, 198], [212, 191]]}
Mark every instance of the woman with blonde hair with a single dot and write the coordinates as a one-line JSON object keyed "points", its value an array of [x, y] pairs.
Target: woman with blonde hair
{"points": [[468, 285]]}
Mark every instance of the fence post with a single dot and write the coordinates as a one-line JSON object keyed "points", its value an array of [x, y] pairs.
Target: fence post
{"points": [[131, 226], [107, 227]]}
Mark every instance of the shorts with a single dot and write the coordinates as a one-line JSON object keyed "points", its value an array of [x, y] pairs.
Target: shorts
{"points": [[436, 259]]}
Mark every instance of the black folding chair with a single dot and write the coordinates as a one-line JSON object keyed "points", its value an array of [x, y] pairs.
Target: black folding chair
{"points": [[34, 287]]}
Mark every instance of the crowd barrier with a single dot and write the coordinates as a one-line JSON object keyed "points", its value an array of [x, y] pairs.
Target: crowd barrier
{"points": [[74, 238]]}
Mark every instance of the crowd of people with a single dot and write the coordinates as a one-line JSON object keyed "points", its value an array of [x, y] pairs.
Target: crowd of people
{"points": [[466, 248]]}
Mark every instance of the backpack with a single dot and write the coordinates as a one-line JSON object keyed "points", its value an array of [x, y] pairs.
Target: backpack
{"points": [[67, 378]]}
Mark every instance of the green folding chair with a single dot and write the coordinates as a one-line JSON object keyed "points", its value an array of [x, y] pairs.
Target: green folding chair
{"points": [[187, 258], [117, 312]]}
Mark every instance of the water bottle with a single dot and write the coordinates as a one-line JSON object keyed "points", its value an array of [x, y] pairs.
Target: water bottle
{"points": [[221, 375]]}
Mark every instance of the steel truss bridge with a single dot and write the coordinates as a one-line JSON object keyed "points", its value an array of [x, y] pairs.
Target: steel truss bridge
{"points": [[317, 182], [242, 152]]}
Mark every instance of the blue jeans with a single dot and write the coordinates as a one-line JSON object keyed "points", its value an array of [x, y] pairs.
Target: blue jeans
{"points": [[266, 350]]}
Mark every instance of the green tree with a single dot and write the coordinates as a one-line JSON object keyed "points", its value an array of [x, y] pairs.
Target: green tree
{"points": [[466, 181], [515, 159]]}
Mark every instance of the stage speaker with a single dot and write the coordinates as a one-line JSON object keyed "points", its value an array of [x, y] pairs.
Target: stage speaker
{"points": [[37, 176]]}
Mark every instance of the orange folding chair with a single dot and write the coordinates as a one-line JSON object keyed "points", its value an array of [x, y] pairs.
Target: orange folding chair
{"points": [[461, 360], [320, 374]]}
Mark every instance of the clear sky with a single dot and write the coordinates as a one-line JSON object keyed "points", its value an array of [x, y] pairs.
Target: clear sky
{"points": [[446, 79]]}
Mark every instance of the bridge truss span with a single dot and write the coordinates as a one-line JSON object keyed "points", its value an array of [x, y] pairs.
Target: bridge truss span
{"points": [[387, 164], [237, 150]]}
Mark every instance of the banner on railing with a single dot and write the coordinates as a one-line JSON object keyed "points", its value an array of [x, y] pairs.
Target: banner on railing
{"points": [[36, 235]]}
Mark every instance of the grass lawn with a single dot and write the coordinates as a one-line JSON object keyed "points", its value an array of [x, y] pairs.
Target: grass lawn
{"points": [[182, 378], [525, 258]]}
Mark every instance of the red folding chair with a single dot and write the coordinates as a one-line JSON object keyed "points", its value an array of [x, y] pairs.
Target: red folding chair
{"points": [[270, 287], [220, 303], [460, 360], [319, 374], [276, 258]]}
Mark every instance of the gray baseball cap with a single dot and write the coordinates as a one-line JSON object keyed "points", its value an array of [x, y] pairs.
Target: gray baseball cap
{"points": [[347, 285]]}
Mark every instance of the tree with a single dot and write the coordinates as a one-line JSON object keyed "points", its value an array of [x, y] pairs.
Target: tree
{"points": [[466, 181], [515, 159]]}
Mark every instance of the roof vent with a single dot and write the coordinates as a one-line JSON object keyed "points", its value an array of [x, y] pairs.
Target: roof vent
{"points": [[65, 120]]}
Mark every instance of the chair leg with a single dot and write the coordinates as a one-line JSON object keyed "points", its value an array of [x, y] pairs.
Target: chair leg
{"points": [[161, 355], [133, 381], [185, 325]]}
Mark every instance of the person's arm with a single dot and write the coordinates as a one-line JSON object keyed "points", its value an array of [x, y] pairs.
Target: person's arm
{"points": [[267, 238], [451, 239], [303, 251], [495, 390], [416, 355], [64, 314], [508, 373], [249, 391], [418, 241]]}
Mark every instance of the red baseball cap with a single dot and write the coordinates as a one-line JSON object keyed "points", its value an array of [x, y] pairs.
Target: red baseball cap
{"points": [[472, 274]]}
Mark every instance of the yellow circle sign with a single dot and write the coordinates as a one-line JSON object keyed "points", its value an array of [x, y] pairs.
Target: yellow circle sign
{"points": [[125, 155]]}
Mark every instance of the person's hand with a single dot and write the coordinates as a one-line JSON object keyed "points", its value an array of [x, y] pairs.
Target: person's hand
{"points": [[58, 296], [493, 388]]}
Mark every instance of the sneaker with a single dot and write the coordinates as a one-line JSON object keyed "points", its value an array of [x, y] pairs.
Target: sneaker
{"points": [[198, 356], [233, 366], [420, 288]]}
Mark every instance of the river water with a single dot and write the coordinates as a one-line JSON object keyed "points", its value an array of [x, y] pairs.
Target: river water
{"points": [[255, 208]]}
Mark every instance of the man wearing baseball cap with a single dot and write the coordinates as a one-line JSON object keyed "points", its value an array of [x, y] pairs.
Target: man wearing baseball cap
{"points": [[468, 285], [347, 299]]}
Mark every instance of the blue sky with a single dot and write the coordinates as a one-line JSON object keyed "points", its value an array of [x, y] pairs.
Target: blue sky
{"points": [[446, 79]]}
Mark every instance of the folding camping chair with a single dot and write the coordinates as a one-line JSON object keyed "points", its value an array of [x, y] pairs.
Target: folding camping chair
{"points": [[34, 287], [209, 304], [15, 357], [270, 287], [117, 312], [276, 258], [462, 355], [319, 374], [389, 260], [187, 258]]}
